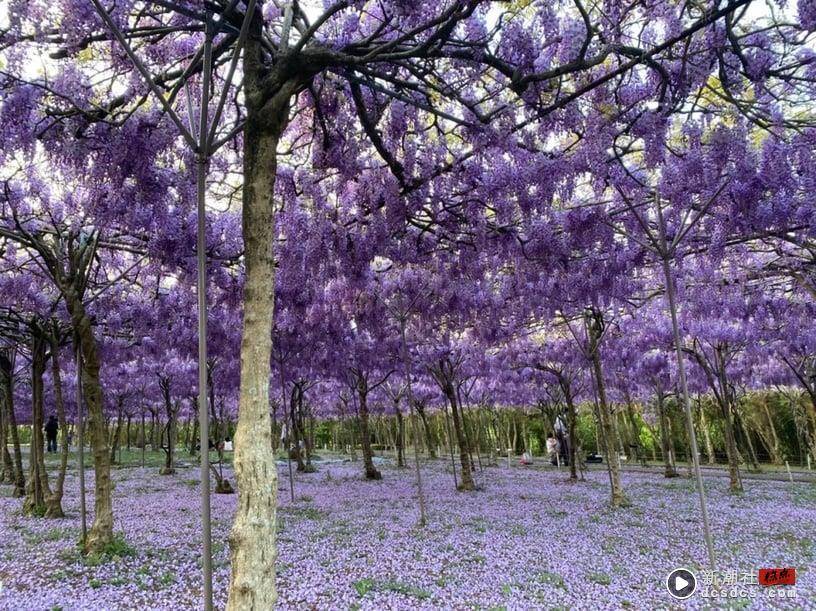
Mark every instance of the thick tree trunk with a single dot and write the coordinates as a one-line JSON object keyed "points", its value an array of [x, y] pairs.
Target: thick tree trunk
{"points": [[572, 418], [7, 383], [8, 466], [309, 444], [709, 445], [666, 445], [449, 440], [101, 531], [116, 436], [371, 472], [169, 454], [54, 502], [637, 448], [252, 540], [731, 450], [170, 411], [466, 479], [467, 432], [430, 442], [400, 441], [295, 432], [609, 433], [7, 472], [37, 490], [143, 438], [728, 415]]}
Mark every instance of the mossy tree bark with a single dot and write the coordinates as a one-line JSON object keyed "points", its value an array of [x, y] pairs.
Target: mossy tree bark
{"points": [[666, 444], [717, 379], [37, 489], [171, 409], [362, 387], [444, 372], [295, 427], [430, 441], [400, 440], [595, 330], [101, 532], [252, 540], [54, 501], [572, 420], [7, 358]]}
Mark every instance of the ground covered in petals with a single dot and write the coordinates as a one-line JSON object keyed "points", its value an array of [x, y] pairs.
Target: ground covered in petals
{"points": [[527, 540]]}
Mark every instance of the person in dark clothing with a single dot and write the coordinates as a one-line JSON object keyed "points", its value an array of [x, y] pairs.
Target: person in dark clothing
{"points": [[51, 428]]}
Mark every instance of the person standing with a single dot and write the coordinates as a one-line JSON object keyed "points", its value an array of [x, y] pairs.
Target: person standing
{"points": [[552, 449], [51, 428]]}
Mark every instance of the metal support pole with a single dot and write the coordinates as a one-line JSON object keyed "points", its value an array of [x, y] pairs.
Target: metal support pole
{"points": [[407, 363], [81, 447], [203, 414], [203, 145], [681, 371]]}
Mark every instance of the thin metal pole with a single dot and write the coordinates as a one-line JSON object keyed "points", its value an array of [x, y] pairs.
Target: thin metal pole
{"points": [[203, 147], [407, 363], [81, 446], [681, 371], [203, 414]]}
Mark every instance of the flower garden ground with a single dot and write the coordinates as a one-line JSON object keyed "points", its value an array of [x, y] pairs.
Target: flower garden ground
{"points": [[527, 540]]}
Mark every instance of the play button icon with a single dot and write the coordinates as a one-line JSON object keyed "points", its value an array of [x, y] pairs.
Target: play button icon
{"points": [[681, 583]]}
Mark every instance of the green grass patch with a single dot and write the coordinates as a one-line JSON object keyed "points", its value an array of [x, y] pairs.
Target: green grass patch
{"points": [[803, 495], [367, 584], [364, 586], [312, 513], [58, 534], [114, 549], [118, 547], [551, 579], [167, 579]]}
